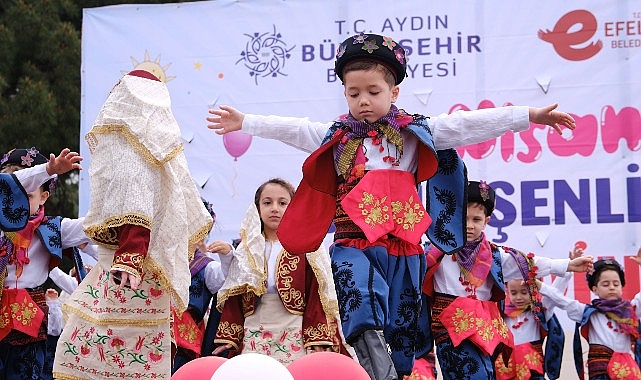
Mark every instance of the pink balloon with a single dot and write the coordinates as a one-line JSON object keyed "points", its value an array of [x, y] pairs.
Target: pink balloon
{"points": [[199, 369], [236, 143], [327, 365]]}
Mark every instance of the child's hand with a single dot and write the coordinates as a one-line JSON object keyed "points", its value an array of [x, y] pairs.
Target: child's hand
{"points": [[51, 295], [227, 119], [538, 283], [555, 119], [66, 161], [580, 264], [637, 258], [220, 247], [577, 251]]}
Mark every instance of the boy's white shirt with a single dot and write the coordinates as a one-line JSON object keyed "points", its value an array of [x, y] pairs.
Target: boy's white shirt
{"points": [[32, 178], [448, 130], [599, 331], [36, 272], [64, 281], [446, 277]]}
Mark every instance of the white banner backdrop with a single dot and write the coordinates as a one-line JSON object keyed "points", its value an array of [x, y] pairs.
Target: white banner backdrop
{"points": [[276, 57]]}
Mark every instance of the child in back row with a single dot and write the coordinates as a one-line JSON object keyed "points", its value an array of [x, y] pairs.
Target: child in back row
{"points": [[531, 318], [362, 175], [468, 285], [609, 323]]}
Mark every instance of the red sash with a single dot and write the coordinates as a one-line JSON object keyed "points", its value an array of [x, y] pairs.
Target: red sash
{"points": [[188, 334], [622, 366], [480, 322], [18, 311], [525, 358], [384, 202]]}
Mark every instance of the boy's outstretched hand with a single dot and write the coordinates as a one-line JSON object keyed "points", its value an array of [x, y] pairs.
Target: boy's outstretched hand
{"points": [[66, 161], [637, 258], [580, 264], [550, 116], [227, 119]]}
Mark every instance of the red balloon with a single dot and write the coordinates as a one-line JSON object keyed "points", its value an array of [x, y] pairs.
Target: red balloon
{"points": [[327, 365], [199, 369]]}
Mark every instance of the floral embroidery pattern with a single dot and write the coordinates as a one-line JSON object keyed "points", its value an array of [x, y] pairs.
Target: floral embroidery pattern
{"points": [[114, 352], [23, 312], [375, 210], [370, 46], [285, 348], [120, 350], [408, 214], [389, 42], [465, 322]]}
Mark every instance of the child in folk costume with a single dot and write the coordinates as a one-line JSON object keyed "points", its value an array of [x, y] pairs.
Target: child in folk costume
{"points": [[362, 174], [146, 216], [609, 323], [466, 287], [207, 277], [531, 318], [27, 254], [274, 302]]}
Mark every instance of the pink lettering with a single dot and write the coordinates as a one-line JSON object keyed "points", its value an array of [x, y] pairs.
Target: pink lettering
{"points": [[582, 140], [625, 125]]}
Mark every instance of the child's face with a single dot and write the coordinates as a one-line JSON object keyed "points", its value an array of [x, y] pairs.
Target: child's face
{"points": [[369, 96], [609, 285], [273, 202], [518, 293], [476, 221], [36, 199]]}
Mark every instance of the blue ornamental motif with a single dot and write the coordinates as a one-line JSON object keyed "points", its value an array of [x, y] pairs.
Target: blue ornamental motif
{"points": [[265, 54]]}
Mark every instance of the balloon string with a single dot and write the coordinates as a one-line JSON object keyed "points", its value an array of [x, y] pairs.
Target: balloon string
{"points": [[233, 180]]}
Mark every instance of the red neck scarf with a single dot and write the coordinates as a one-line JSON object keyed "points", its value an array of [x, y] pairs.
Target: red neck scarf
{"points": [[18, 245]]}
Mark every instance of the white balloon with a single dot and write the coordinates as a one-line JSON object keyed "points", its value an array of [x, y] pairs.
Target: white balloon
{"points": [[252, 366]]}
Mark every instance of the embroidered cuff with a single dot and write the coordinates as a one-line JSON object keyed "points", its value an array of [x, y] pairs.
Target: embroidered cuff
{"points": [[129, 262]]}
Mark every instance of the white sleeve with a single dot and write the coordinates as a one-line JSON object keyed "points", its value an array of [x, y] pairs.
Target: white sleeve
{"points": [[63, 281], [546, 267], [214, 276], [32, 178], [573, 307], [560, 283], [297, 132], [72, 232], [469, 127], [55, 322], [636, 302]]}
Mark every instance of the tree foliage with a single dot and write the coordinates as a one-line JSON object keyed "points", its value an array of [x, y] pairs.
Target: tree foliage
{"points": [[40, 82]]}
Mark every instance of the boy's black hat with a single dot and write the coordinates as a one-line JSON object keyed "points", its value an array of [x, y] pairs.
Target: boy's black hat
{"points": [[26, 158], [600, 266], [372, 46], [481, 192]]}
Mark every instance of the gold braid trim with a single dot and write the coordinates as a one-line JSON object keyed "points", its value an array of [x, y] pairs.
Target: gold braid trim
{"points": [[133, 140], [64, 376], [345, 161], [393, 136], [291, 297], [106, 233], [3, 275], [199, 235], [113, 321], [330, 306]]}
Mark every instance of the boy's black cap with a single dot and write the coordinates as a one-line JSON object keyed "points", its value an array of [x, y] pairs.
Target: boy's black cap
{"points": [[25, 158], [600, 266], [372, 46], [481, 192]]}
